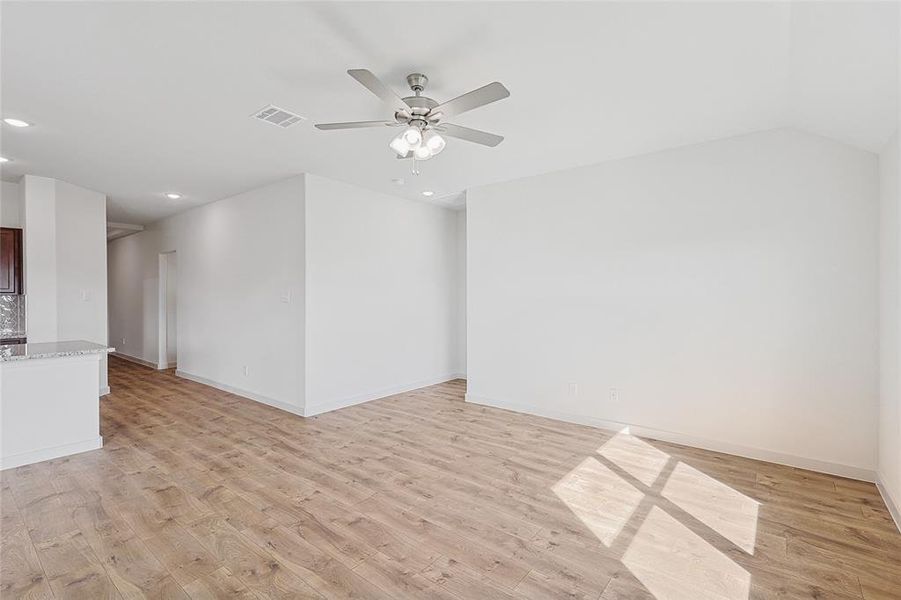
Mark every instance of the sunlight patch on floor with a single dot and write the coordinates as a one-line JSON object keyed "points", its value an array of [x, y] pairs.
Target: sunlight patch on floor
{"points": [[601, 499], [721, 508], [674, 563], [631, 496], [636, 457]]}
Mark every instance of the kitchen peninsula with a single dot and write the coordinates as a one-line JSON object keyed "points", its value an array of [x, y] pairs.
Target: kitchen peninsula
{"points": [[49, 400]]}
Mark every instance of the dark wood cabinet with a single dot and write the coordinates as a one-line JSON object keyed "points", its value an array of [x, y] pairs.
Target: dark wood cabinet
{"points": [[11, 261]]}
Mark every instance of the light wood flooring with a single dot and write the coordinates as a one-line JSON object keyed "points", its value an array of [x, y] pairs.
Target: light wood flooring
{"points": [[201, 494]]}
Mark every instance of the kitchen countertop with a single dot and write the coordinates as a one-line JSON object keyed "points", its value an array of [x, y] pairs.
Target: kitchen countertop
{"points": [[51, 350]]}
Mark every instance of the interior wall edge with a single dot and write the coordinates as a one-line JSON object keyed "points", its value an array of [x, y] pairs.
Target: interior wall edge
{"points": [[318, 408], [296, 410], [893, 504], [136, 360], [67, 450], [781, 458]]}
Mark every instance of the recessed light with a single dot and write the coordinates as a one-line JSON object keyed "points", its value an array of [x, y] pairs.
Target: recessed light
{"points": [[17, 122], [428, 193], [3, 159], [173, 196]]}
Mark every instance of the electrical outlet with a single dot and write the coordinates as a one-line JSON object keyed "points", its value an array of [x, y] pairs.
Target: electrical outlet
{"points": [[614, 395], [246, 370], [573, 389], [123, 340]]}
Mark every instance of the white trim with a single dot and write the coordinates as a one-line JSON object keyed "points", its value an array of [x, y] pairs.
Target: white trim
{"points": [[27, 458], [330, 405], [135, 359], [291, 408], [126, 226], [322, 407], [104, 390], [781, 458], [894, 508]]}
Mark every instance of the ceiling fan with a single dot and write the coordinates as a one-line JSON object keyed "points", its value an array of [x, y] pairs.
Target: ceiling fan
{"points": [[423, 116]]}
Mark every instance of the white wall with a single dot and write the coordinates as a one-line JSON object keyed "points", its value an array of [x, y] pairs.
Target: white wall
{"points": [[39, 204], [10, 205], [381, 309], [890, 328], [81, 294], [65, 263], [727, 291], [460, 295], [238, 260], [80, 264]]}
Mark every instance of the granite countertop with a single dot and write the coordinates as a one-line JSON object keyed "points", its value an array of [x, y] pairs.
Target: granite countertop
{"points": [[51, 350]]}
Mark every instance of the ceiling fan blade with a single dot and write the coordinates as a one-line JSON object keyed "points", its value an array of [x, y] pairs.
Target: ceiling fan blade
{"points": [[355, 125], [470, 100], [470, 135], [375, 85]]}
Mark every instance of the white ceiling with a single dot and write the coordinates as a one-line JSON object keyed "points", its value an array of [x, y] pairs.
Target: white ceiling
{"points": [[138, 99]]}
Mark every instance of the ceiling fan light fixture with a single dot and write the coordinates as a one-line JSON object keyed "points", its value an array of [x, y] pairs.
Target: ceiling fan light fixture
{"points": [[412, 136], [399, 145], [434, 142], [419, 116]]}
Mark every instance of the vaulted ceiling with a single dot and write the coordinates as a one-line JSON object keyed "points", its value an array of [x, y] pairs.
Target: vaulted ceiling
{"points": [[139, 99]]}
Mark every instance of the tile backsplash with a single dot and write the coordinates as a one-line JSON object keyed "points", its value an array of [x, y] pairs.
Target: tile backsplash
{"points": [[12, 316]]}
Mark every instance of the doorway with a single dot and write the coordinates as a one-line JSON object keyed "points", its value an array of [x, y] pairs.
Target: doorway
{"points": [[168, 315]]}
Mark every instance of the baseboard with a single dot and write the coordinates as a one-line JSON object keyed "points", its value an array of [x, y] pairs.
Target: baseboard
{"points": [[790, 460], [318, 408], [136, 360], [27, 458], [104, 390], [459, 376], [291, 408], [894, 507]]}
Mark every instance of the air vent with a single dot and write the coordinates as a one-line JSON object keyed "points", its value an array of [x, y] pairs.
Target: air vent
{"points": [[277, 116]]}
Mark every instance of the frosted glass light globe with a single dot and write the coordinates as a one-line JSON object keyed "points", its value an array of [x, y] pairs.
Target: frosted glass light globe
{"points": [[399, 145], [435, 143], [412, 136]]}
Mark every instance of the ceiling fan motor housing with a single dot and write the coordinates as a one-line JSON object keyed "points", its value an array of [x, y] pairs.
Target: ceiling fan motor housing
{"points": [[419, 108]]}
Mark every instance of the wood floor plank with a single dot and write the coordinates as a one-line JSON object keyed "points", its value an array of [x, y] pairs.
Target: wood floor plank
{"points": [[255, 566], [21, 573], [218, 584], [198, 493]]}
